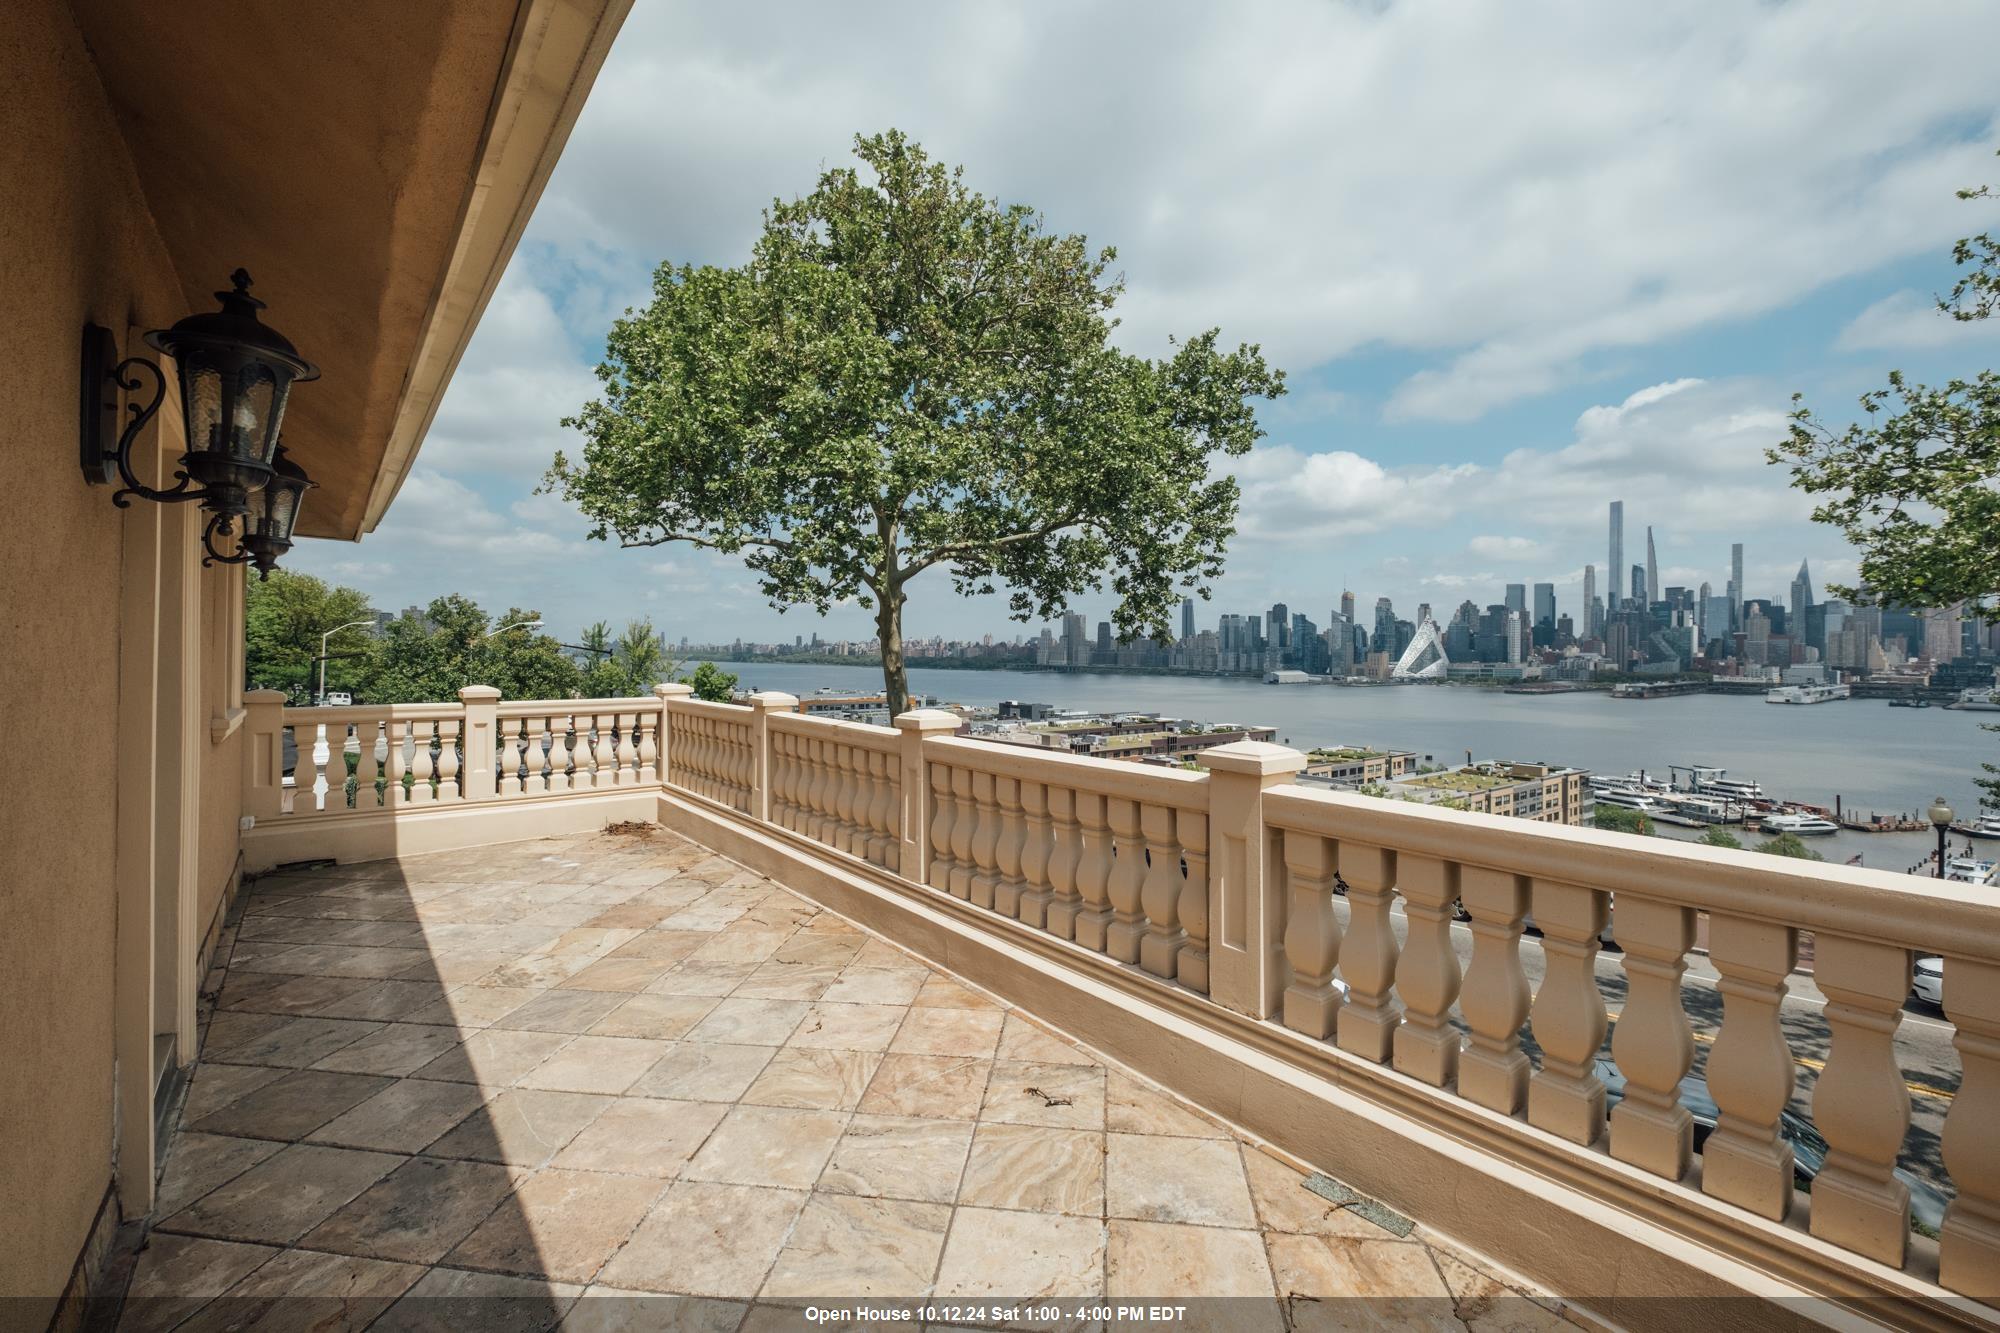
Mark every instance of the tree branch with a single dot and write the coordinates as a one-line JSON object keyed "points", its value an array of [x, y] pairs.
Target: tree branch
{"points": [[952, 552], [709, 543]]}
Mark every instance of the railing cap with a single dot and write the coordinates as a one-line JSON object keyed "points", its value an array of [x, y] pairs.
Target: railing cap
{"points": [[673, 689], [1257, 758], [774, 701], [264, 696], [480, 693], [927, 719]]}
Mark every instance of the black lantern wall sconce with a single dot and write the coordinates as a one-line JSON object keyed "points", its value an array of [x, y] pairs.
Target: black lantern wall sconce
{"points": [[236, 374]]}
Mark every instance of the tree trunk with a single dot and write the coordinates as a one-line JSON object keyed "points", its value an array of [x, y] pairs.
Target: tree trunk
{"points": [[889, 628]]}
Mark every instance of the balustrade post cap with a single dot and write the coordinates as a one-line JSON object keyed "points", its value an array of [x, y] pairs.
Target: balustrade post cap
{"points": [[1257, 758], [479, 694], [672, 689], [774, 701], [927, 719], [264, 696]]}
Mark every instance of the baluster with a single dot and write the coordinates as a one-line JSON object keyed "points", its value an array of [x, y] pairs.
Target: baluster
{"points": [[610, 751], [697, 754], [1427, 975], [649, 749], [804, 774], [1565, 1096], [628, 750], [507, 747], [367, 740], [1063, 853], [539, 738], [1372, 1013], [398, 734], [845, 789], [1035, 850], [448, 760], [746, 765], [1492, 1069], [964, 823], [782, 765], [1746, 1160], [1312, 935], [1653, 1042], [421, 791], [1969, 1252], [1160, 946], [1860, 1102], [882, 811], [1128, 874], [317, 770], [1093, 871], [593, 752], [1007, 884], [985, 842], [818, 824], [1192, 962], [943, 815], [558, 753]]}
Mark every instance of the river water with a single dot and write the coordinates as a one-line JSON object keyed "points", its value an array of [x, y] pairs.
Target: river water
{"points": [[1873, 757]]}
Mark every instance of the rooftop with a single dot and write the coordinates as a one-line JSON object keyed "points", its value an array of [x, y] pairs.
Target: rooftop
{"points": [[622, 1064]]}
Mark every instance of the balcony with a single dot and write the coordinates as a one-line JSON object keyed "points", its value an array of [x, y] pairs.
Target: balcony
{"points": [[1216, 980]]}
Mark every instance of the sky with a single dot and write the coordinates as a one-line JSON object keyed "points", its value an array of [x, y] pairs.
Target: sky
{"points": [[1518, 260]]}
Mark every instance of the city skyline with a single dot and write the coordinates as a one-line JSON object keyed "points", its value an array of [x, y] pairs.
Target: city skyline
{"points": [[1453, 424]]}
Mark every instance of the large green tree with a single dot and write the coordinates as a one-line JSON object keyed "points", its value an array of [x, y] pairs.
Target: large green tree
{"points": [[284, 617], [431, 657], [908, 375], [1914, 484]]}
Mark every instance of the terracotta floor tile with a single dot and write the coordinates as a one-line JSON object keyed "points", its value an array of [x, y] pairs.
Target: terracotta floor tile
{"points": [[1035, 1169], [899, 1157], [560, 1224], [948, 1031], [849, 1027], [417, 1212], [1007, 1256], [949, 1087], [854, 1247], [596, 1064], [1157, 1179], [404, 1117], [292, 1106], [767, 1145], [521, 1127], [283, 1197], [642, 1136], [1060, 1096], [745, 1022], [707, 1240], [704, 1072]]}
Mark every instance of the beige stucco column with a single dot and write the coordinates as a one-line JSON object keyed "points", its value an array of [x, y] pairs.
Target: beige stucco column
{"points": [[762, 705], [263, 753], [666, 692], [480, 779], [1246, 917], [913, 849]]}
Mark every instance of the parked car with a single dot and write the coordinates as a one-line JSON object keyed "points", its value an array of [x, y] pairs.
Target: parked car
{"points": [[339, 699], [1927, 981], [1809, 1149]]}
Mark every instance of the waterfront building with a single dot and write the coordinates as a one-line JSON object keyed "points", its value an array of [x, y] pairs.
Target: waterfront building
{"points": [[1352, 765], [1944, 641], [1076, 641], [1187, 618], [1541, 792], [1517, 598], [1424, 658], [1384, 637], [1756, 636]]}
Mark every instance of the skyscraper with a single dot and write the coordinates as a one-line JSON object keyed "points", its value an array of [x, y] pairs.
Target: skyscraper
{"points": [[1801, 592], [1517, 599], [1590, 625], [1652, 569], [1384, 637], [1347, 607], [1617, 566], [1639, 584], [1736, 586], [1545, 604], [1187, 617], [1280, 621]]}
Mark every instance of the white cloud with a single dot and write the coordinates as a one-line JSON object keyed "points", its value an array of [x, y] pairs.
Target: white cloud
{"points": [[1507, 548], [1907, 320]]}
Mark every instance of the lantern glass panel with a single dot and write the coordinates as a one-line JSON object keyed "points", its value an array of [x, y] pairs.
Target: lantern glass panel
{"points": [[201, 388], [252, 433], [282, 509]]}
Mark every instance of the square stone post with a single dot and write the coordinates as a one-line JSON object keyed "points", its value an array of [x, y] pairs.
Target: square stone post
{"points": [[263, 754], [479, 781], [762, 705], [666, 692], [913, 839], [1246, 914]]}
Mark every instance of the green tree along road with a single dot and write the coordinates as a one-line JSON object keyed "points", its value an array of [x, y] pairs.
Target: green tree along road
{"points": [[907, 375], [1917, 491], [283, 619]]}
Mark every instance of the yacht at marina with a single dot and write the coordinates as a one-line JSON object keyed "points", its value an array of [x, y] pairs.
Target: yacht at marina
{"points": [[1804, 825], [1806, 694]]}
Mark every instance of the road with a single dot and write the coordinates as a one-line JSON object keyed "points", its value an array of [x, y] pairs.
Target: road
{"points": [[1923, 1041]]}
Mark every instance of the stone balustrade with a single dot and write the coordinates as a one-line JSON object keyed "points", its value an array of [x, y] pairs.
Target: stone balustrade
{"points": [[1328, 922]]}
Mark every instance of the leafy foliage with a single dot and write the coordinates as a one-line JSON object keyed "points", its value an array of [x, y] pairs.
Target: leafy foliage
{"points": [[1789, 844], [1619, 819], [430, 658], [282, 622], [712, 683], [1717, 836], [908, 375]]}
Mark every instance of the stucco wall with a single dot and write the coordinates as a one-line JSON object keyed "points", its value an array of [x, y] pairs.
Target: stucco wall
{"points": [[76, 243]]}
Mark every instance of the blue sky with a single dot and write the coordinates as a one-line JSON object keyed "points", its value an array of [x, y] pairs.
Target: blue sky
{"points": [[1518, 260]]}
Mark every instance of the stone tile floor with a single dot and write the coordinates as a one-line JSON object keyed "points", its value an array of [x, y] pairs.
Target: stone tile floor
{"points": [[621, 1064]]}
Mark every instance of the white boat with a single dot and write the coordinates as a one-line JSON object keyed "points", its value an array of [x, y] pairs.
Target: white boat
{"points": [[1703, 809], [1979, 699], [1714, 782], [1986, 826], [1805, 825], [1629, 799], [1970, 870], [1806, 694]]}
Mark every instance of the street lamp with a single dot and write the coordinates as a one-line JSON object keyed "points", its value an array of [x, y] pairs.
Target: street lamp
{"points": [[519, 624], [1940, 820], [321, 697]]}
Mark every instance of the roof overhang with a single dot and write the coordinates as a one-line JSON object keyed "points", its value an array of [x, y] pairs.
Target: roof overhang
{"points": [[373, 166]]}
